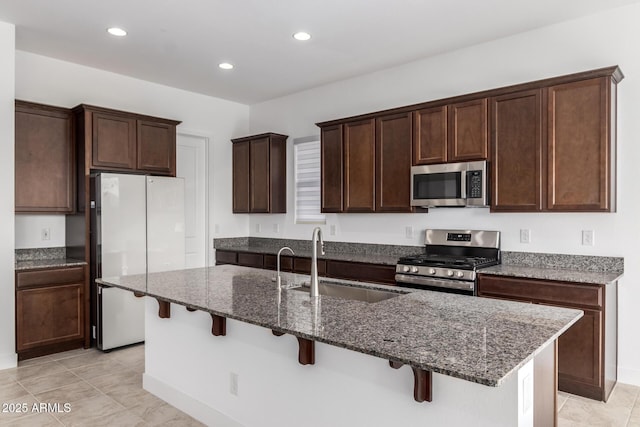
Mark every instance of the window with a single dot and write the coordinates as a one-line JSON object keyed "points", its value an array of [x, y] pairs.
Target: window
{"points": [[307, 180]]}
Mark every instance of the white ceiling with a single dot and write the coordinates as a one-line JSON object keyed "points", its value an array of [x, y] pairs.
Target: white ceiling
{"points": [[179, 43]]}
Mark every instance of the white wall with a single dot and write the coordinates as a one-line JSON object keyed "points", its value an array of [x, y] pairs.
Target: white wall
{"points": [[51, 81], [601, 40], [7, 320]]}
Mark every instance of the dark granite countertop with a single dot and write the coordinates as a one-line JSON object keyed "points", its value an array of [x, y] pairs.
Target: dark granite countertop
{"points": [[559, 274], [48, 263], [596, 270], [476, 339]]}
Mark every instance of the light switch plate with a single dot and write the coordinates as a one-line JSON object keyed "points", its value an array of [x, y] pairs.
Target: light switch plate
{"points": [[588, 237], [408, 232]]}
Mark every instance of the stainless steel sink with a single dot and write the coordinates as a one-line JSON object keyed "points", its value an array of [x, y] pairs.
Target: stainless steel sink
{"points": [[350, 292]]}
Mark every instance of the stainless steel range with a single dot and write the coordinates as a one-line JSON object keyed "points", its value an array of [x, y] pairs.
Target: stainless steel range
{"points": [[450, 260]]}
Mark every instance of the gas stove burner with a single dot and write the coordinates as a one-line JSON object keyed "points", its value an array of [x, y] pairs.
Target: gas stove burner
{"points": [[450, 260]]}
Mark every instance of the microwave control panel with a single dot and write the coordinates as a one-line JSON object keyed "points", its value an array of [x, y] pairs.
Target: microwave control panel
{"points": [[474, 184]]}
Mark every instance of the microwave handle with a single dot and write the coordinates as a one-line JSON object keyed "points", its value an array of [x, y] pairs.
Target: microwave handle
{"points": [[463, 184]]}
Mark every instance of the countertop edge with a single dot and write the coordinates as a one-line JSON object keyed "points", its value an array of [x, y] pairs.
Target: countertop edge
{"points": [[47, 264]]}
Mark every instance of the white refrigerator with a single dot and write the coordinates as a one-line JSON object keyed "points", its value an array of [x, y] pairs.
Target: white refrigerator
{"points": [[137, 227]]}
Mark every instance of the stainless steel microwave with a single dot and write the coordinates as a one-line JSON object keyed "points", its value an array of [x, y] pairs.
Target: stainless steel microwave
{"points": [[450, 184]]}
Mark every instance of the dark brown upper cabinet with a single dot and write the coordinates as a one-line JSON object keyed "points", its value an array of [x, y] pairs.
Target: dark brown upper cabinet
{"points": [[517, 152], [366, 165], [241, 177], [44, 159], [451, 133], [156, 147], [260, 174], [580, 146], [331, 164], [359, 166], [551, 143], [393, 163], [430, 135], [113, 141], [553, 149], [127, 142], [468, 131]]}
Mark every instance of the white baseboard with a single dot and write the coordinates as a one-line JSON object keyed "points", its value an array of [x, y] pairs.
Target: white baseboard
{"points": [[8, 361], [629, 376], [187, 404]]}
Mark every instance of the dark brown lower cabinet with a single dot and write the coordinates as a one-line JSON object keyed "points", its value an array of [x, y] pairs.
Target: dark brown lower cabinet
{"points": [[587, 351], [51, 311], [347, 270]]}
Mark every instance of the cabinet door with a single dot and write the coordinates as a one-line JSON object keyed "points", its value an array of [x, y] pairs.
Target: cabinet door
{"points": [[579, 361], [278, 174], [156, 147], [359, 166], [516, 152], [468, 134], [49, 315], [249, 259], [259, 176], [114, 142], [331, 152], [241, 177], [393, 163], [430, 135], [579, 156], [44, 159], [226, 257]]}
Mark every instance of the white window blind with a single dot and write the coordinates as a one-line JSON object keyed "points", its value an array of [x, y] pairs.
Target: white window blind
{"points": [[307, 180]]}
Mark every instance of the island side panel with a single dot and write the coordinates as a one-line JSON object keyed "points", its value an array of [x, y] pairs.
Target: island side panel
{"points": [[192, 370]]}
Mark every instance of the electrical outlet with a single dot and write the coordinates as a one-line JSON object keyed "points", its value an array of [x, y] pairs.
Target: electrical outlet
{"points": [[408, 232], [233, 383], [258, 228], [216, 228], [525, 235], [332, 230], [276, 228], [587, 237], [45, 234]]}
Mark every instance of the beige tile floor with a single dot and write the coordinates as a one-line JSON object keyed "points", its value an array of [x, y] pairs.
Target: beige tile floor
{"points": [[621, 410], [105, 389]]}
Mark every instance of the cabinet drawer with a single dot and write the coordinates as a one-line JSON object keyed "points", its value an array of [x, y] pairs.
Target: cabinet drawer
{"points": [[271, 262], [49, 277], [362, 271], [543, 291], [250, 260], [226, 257], [303, 265]]}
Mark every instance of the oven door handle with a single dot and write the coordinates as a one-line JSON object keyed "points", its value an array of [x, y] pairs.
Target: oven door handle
{"points": [[440, 283]]}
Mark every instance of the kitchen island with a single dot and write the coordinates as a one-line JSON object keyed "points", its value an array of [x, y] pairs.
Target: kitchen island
{"points": [[474, 361]]}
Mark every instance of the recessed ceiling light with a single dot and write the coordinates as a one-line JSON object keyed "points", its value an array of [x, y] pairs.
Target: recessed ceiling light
{"points": [[225, 65], [302, 36], [115, 31]]}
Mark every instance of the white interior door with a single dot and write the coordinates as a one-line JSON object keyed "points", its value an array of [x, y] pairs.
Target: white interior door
{"points": [[191, 159]]}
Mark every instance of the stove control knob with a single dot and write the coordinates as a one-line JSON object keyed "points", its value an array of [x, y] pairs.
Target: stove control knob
{"points": [[414, 269], [460, 274], [432, 271], [405, 268], [449, 273]]}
